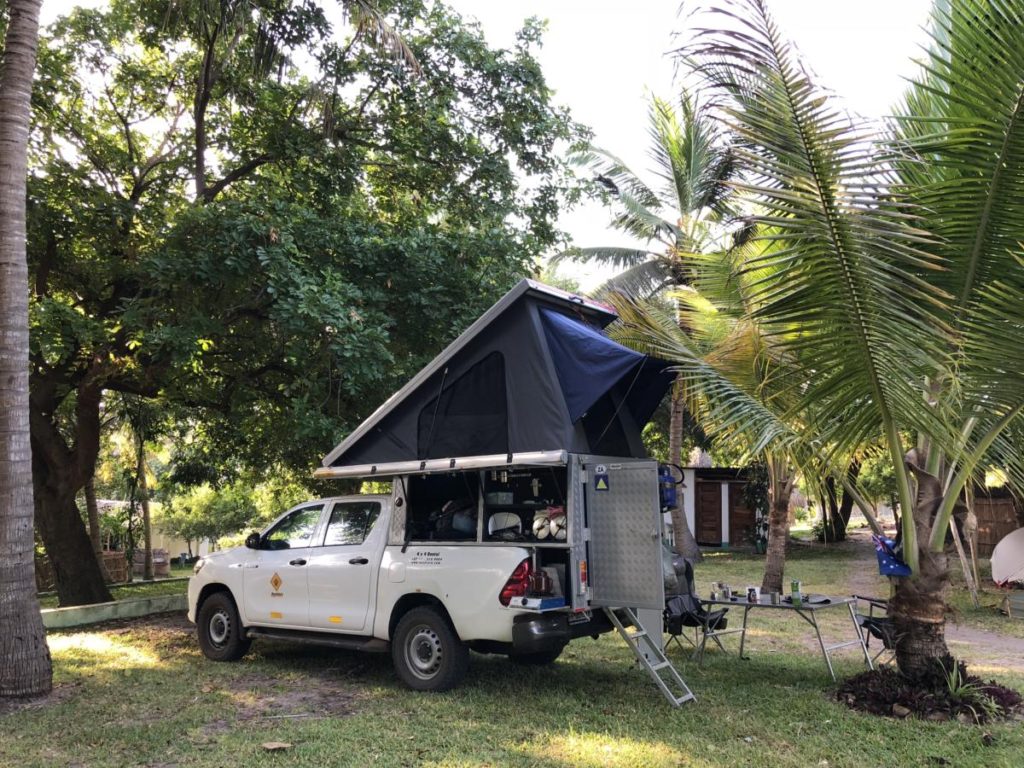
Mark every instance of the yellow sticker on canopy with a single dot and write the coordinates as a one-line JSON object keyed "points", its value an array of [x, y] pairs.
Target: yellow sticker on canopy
{"points": [[276, 615], [334, 619]]}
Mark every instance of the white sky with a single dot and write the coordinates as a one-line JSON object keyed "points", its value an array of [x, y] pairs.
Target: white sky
{"points": [[604, 58]]}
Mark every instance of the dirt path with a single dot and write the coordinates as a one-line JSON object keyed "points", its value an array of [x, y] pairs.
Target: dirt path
{"points": [[978, 647]]}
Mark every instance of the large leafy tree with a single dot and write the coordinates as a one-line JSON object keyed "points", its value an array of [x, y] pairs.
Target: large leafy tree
{"points": [[679, 216], [896, 279], [24, 657], [265, 247]]}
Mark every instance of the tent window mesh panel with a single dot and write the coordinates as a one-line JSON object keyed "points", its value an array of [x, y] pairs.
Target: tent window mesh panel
{"points": [[469, 417]]}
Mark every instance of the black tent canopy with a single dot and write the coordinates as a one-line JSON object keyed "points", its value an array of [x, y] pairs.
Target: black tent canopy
{"points": [[534, 375]]}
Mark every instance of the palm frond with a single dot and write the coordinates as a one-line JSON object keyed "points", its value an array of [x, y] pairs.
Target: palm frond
{"points": [[638, 281], [372, 26], [692, 158], [959, 142], [841, 293], [617, 177], [621, 258], [716, 401]]}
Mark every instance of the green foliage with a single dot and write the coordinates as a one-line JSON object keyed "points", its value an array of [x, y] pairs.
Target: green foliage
{"points": [[878, 479], [885, 269], [207, 513], [274, 252], [224, 508]]}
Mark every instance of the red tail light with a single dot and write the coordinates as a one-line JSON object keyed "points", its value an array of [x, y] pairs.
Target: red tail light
{"points": [[517, 585]]}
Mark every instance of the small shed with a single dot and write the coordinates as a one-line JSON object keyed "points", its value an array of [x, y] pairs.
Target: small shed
{"points": [[998, 513], [715, 507]]}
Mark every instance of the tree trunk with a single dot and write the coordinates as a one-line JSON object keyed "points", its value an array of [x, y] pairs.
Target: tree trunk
{"points": [[25, 667], [778, 527], [75, 567], [685, 542], [918, 606], [143, 488], [829, 511], [58, 474], [93, 512], [838, 517]]}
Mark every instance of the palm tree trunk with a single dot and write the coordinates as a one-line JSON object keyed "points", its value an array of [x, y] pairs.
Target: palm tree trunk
{"points": [[25, 667], [685, 542], [919, 606], [778, 526]]}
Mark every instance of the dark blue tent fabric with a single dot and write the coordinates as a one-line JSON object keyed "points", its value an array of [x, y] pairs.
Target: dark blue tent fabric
{"points": [[589, 364], [653, 381]]}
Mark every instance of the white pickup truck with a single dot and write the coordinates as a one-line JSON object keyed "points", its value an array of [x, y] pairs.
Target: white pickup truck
{"points": [[506, 573]]}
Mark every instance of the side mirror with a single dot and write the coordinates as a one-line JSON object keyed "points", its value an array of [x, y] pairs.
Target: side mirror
{"points": [[252, 541]]}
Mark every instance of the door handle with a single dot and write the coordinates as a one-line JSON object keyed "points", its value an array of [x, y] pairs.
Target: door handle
{"points": [[299, 561], [358, 561]]}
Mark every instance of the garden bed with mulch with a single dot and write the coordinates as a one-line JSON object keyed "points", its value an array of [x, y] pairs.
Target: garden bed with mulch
{"points": [[950, 693]]}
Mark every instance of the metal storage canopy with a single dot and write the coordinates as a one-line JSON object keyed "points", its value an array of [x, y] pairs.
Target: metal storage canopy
{"points": [[533, 378]]}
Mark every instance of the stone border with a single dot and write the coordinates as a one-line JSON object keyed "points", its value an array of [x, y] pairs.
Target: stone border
{"points": [[80, 615]]}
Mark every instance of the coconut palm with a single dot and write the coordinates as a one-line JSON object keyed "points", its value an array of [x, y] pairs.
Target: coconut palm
{"points": [[24, 658], [683, 213], [714, 320], [895, 285]]}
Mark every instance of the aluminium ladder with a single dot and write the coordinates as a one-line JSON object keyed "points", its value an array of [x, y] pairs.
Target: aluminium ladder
{"points": [[661, 670]]}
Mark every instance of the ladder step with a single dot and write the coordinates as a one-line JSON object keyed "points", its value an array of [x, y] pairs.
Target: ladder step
{"points": [[660, 660]]}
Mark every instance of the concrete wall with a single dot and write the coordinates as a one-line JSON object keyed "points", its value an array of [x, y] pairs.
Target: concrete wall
{"points": [[80, 615]]}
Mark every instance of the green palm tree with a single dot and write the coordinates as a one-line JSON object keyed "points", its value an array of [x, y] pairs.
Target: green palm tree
{"points": [[682, 214], [896, 281], [714, 319], [25, 668]]}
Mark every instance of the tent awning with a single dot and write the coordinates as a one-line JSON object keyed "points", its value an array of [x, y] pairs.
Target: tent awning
{"points": [[589, 365]]}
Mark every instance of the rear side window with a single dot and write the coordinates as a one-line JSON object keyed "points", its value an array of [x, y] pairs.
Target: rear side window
{"points": [[351, 523]]}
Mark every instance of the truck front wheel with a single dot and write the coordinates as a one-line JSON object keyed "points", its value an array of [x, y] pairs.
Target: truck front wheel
{"points": [[221, 634], [427, 653]]}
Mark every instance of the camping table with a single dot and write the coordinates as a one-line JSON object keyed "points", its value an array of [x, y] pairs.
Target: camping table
{"points": [[808, 612]]}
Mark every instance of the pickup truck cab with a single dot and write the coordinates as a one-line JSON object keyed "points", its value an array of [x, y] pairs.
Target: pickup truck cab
{"points": [[367, 572]]}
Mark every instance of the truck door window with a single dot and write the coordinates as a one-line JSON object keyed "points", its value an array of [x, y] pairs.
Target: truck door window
{"points": [[351, 523], [295, 530]]}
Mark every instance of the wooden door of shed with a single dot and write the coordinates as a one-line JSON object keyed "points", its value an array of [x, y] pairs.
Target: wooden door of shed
{"points": [[741, 517], [708, 514]]}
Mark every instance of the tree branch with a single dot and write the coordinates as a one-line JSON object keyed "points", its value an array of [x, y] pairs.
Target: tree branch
{"points": [[238, 173]]}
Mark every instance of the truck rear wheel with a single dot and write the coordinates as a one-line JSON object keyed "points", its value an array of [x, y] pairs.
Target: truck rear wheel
{"points": [[427, 652], [221, 634]]}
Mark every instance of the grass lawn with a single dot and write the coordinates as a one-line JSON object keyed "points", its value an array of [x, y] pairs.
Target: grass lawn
{"points": [[140, 694]]}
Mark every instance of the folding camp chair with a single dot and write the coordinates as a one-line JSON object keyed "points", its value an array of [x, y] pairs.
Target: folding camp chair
{"points": [[880, 627], [685, 610]]}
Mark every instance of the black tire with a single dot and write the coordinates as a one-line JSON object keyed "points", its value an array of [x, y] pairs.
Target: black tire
{"points": [[537, 659], [221, 634], [427, 653]]}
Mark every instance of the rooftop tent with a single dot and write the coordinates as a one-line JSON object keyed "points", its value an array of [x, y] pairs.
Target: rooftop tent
{"points": [[534, 374]]}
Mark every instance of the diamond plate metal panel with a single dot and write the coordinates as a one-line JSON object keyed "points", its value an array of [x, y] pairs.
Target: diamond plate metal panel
{"points": [[625, 535]]}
